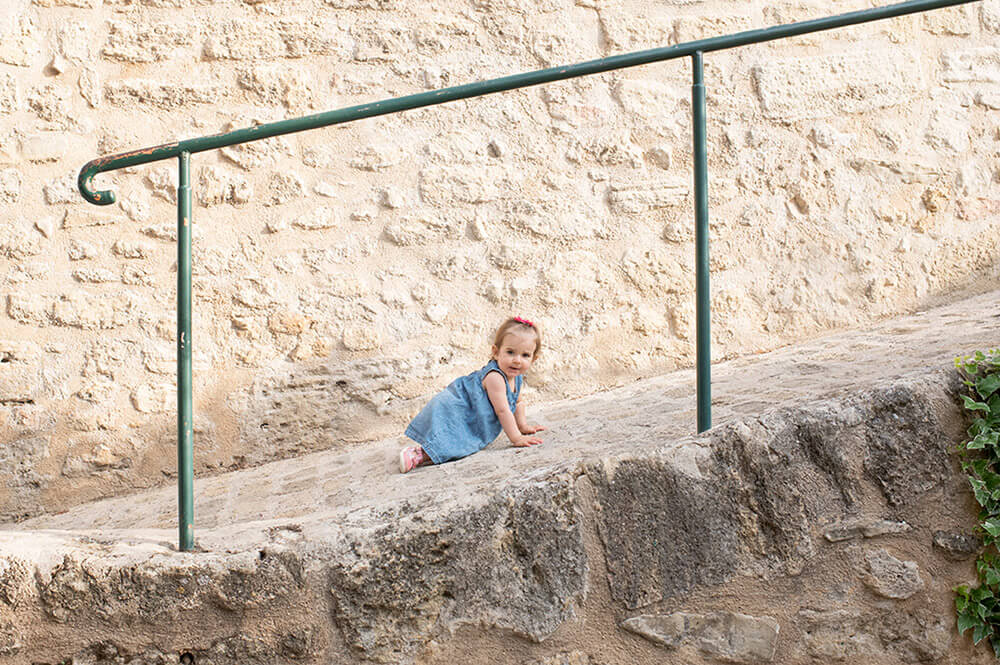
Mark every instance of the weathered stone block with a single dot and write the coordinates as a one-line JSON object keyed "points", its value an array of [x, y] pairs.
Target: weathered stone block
{"points": [[149, 42], [166, 96], [19, 34], [734, 638], [636, 199], [287, 38], [8, 93], [217, 185], [975, 65], [515, 562], [10, 185], [888, 576], [819, 87]]}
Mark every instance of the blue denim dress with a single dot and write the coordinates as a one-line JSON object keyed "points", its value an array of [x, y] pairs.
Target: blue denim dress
{"points": [[460, 420]]}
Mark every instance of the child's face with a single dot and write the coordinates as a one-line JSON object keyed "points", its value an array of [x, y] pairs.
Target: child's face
{"points": [[515, 353]]}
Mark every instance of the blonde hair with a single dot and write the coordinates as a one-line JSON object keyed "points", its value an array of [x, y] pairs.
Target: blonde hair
{"points": [[516, 324]]}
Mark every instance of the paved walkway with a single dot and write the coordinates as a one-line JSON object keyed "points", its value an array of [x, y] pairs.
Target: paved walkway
{"points": [[343, 487]]}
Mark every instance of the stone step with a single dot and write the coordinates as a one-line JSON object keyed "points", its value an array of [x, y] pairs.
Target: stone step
{"points": [[654, 410], [816, 522]]}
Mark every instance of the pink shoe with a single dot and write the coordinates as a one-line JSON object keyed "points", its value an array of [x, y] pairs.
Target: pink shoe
{"points": [[411, 457]]}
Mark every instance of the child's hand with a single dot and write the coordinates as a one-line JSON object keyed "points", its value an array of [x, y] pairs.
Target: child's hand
{"points": [[525, 441], [531, 429]]}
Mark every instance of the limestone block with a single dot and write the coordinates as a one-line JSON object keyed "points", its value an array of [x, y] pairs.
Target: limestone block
{"points": [[135, 43], [551, 218], [990, 15], [8, 93], [378, 157], [10, 185], [51, 103], [524, 545], [217, 185], [947, 132], [131, 250], [957, 546], [94, 275], [260, 40], [381, 42], [362, 336], [81, 586], [287, 322], [888, 576], [80, 218], [50, 146], [30, 309], [163, 181], [145, 93], [46, 226], [89, 85], [277, 85], [319, 218], [449, 185], [975, 65], [688, 29], [837, 634], [253, 155], [567, 657], [843, 634], [154, 397], [283, 187], [98, 392], [320, 156], [98, 312], [20, 379], [647, 99], [136, 276], [15, 581], [958, 21], [736, 638], [419, 230], [658, 270], [80, 4], [855, 529], [574, 276], [17, 242], [631, 199], [19, 34], [364, 4], [73, 41], [796, 89], [564, 36]]}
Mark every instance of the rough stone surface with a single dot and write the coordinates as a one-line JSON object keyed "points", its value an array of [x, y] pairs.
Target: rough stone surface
{"points": [[890, 577], [731, 637], [523, 552], [344, 275]]}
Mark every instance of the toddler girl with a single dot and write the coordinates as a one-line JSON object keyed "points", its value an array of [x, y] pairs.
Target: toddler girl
{"points": [[473, 409]]}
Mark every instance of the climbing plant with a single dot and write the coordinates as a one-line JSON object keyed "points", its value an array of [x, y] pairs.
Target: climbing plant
{"points": [[978, 608]]}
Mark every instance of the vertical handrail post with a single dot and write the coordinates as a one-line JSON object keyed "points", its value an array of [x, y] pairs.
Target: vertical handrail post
{"points": [[185, 409], [703, 314]]}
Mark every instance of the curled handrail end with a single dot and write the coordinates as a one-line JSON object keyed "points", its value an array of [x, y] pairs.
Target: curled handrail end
{"points": [[104, 197]]}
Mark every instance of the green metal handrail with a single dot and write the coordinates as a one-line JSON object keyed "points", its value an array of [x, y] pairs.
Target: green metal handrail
{"points": [[695, 49]]}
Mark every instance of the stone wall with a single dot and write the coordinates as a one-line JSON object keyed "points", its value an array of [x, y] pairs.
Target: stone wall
{"points": [[343, 275], [828, 531]]}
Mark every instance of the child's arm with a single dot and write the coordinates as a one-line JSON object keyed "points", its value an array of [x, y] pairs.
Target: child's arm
{"points": [[496, 390], [522, 424]]}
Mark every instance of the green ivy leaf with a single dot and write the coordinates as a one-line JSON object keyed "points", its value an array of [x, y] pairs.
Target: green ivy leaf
{"points": [[988, 385], [973, 405], [981, 632], [992, 526], [966, 621]]}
